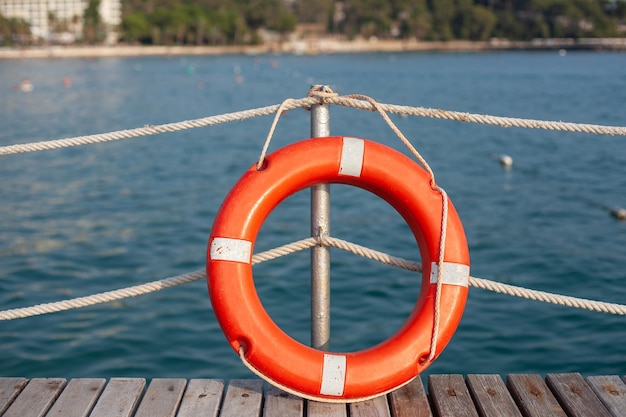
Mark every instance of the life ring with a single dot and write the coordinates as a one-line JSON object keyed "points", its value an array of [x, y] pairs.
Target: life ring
{"points": [[270, 352]]}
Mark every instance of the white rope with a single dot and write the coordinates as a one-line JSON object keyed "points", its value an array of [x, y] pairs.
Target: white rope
{"points": [[480, 118], [305, 103], [266, 145], [442, 245], [149, 287], [598, 306], [151, 130], [104, 297], [319, 91], [564, 300], [485, 284], [444, 220], [370, 253]]}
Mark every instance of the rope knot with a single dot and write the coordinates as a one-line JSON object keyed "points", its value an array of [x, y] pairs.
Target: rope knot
{"points": [[320, 235], [321, 92]]}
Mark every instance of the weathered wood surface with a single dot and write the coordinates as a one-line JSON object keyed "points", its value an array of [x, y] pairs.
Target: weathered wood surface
{"points": [[611, 391], [563, 395], [78, 398], [491, 397]]}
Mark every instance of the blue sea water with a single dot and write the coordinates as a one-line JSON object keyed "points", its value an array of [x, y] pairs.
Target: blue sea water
{"points": [[82, 220]]}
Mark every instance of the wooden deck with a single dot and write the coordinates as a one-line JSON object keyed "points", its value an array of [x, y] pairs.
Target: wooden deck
{"points": [[558, 395]]}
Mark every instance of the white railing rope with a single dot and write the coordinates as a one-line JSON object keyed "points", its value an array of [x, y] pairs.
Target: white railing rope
{"points": [[149, 130], [481, 118], [307, 102], [347, 101], [105, 297], [546, 297], [146, 288], [149, 287]]}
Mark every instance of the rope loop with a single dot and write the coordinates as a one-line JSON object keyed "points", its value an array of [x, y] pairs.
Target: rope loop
{"points": [[378, 107], [317, 91], [442, 245], [279, 111], [444, 216]]}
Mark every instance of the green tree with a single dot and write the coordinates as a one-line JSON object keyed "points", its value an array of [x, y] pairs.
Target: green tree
{"points": [[482, 23], [237, 21], [259, 12], [443, 12], [508, 26], [136, 28], [286, 22], [367, 18], [179, 25], [313, 11], [462, 20], [14, 31], [231, 24], [93, 29], [412, 18]]}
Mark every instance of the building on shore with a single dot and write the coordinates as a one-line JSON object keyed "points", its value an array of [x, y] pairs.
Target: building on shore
{"points": [[61, 21]]}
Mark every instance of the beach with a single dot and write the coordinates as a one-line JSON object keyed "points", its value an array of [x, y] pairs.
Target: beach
{"points": [[314, 46]]}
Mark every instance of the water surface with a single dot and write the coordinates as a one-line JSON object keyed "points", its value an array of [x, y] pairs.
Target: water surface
{"points": [[82, 220]]}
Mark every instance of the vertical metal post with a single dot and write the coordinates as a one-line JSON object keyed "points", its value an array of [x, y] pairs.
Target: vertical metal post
{"points": [[320, 255]]}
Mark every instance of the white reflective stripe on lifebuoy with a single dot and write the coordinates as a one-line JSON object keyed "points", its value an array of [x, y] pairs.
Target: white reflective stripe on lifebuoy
{"points": [[227, 249], [453, 274], [333, 375], [352, 157]]}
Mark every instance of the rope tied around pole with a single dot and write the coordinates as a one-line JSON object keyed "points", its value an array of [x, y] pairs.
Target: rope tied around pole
{"points": [[321, 92]]}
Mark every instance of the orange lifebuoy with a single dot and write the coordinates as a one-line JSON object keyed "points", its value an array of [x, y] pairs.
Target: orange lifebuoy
{"points": [[273, 354]]}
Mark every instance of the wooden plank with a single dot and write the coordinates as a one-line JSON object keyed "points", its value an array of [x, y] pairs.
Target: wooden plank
{"points": [[319, 409], [279, 403], [450, 396], [410, 400], [78, 398], [612, 392], [243, 398], [202, 398], [576, 397], [376, 407], [162, 398], [533, 397], [119, 398], [9, 390], [491, 397], [36, 398]]}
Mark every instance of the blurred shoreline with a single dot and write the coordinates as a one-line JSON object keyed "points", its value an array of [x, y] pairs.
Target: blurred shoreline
{"points": [[315, 46]]}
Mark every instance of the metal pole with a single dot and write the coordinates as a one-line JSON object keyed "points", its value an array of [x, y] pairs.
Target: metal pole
{"points": [[320, 255]]}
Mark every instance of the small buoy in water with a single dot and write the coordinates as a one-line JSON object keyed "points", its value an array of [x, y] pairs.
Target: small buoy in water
{"points": [[26, 85], [562, 52], [505, 161], [619, 213]]}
